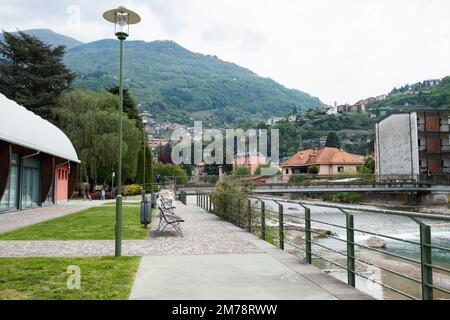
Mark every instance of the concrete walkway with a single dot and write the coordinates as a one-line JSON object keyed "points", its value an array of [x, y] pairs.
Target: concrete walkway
{"points": [[240, 267], [214, 260]]}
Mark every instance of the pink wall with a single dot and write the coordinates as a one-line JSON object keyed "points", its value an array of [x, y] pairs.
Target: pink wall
{"points": [[61, 182]]}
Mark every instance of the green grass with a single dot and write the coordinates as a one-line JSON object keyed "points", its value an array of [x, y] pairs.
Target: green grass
{"points": [[92, 224], [102, 278]]}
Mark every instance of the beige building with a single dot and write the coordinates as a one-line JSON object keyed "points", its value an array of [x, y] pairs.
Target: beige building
{"points": [[331, 161], [249, 160]]}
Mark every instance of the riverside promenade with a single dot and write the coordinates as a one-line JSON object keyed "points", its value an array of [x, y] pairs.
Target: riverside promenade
{"points": [[214, 260]]}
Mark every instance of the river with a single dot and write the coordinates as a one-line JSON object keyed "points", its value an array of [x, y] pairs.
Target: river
{"points": [[394, 226]]}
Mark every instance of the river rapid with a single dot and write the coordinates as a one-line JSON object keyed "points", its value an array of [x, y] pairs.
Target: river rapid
{"points": [[395, 226]]}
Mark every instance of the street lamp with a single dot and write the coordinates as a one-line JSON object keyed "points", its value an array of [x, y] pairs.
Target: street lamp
{"points": [[122, 18], [144, 122]]}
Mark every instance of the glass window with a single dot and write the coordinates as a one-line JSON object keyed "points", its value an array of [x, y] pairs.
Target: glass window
{"points": [[9, 200], [31, 183]]}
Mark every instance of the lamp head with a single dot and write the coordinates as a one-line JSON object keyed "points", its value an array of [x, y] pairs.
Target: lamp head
{"points": [[122, 18]]}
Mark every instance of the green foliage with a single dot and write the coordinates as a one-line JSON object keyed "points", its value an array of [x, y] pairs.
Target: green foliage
{"points": [[313, 169], [344, 197], [148, 168], [90, 121], [131, 190], [241, 171], [368, 167], [130, 106], [417, 97], [230, 188], [172, 82], [103, 278], [32, 73], [333, 140], [260, 167], [170, 172]]}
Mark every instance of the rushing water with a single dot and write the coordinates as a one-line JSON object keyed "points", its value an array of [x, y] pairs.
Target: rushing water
{"points": [[395, 226]]}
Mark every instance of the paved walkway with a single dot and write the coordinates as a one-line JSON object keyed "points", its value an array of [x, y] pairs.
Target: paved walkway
{"points": [[214, 260]]}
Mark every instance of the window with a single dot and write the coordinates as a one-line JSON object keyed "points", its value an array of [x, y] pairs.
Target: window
{"points": [[287, 171], [340, 169]]}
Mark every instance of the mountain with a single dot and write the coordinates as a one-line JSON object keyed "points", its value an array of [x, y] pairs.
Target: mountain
{"points": [[176, 84], [415, 97], [52, 38]]}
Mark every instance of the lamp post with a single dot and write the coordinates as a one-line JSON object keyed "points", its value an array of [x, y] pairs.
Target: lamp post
{"points": [[122, 18], [144, 122]]}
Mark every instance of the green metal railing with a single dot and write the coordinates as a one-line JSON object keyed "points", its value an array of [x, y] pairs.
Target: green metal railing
{"points": [[256, 216]]}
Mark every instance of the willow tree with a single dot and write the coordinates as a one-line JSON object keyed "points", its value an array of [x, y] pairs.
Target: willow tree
{"points": [[90, 120]]}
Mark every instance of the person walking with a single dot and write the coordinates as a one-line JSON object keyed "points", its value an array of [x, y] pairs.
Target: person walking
{"points": [[103, 194], [87, 192]]}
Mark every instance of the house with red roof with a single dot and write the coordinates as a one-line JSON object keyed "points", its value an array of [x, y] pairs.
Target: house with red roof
{"points": [[330, 161]]}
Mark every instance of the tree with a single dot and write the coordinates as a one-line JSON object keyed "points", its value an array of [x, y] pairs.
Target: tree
{"points": [[32, 73], [260, 167], [90, 121], [241, 171], [130, 106], [333, 140], [149, 178]]}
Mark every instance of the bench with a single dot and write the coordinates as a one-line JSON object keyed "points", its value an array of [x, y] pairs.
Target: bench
{"points": [[167, 205], [169, 220]]}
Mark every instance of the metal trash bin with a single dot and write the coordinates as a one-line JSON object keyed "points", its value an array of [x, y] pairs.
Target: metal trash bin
{"points": [[146, 217], [154, 200]]}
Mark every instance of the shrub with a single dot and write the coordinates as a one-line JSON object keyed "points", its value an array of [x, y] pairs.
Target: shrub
{"points": [[343, 197], [131, 190]]}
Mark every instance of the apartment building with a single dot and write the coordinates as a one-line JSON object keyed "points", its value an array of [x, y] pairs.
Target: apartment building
{"points": [[410, 144]]}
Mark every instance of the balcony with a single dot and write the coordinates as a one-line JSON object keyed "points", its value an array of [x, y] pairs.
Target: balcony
{"points": [[445, 148], [445, 170], [422, 148], [421, 126]]}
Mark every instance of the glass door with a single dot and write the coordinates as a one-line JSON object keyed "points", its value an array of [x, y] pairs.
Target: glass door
{"points": [[31, 183]]}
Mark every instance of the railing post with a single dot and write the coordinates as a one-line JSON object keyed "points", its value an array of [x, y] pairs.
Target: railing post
{"points": [[350, 249], [308, 239], [249, 216], [281, 224], [263, 220], [210, 203], [229, 207], [196, 195], [239, 212], [426, 262]]}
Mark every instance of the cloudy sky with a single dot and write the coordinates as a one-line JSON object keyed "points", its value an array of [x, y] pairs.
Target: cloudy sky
{"points": [[338, 50]]}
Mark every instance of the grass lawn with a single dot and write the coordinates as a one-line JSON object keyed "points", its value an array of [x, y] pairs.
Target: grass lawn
{"points": [[102, 278], [92, 224]]}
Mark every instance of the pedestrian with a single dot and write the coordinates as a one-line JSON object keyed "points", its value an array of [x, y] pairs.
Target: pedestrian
{"points": [[429, 176], [103, 194], [158, 179], [87, 192]]}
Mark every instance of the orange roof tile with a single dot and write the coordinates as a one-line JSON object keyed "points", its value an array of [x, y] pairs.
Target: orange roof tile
{"points": [[322, 156]]}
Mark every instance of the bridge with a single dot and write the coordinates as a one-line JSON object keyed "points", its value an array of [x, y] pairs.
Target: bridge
{"points": [[418, 187]]}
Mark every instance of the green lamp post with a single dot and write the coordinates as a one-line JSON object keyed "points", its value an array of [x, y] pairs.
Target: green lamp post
{"points": [[122, 18], [144, 122]]}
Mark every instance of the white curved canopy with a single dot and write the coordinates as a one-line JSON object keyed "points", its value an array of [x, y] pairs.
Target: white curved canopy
{"points": [[22, 127]]}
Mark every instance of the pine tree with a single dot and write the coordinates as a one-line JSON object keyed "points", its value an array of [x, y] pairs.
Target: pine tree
{"points": [[32, 73], [333, 140]]}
